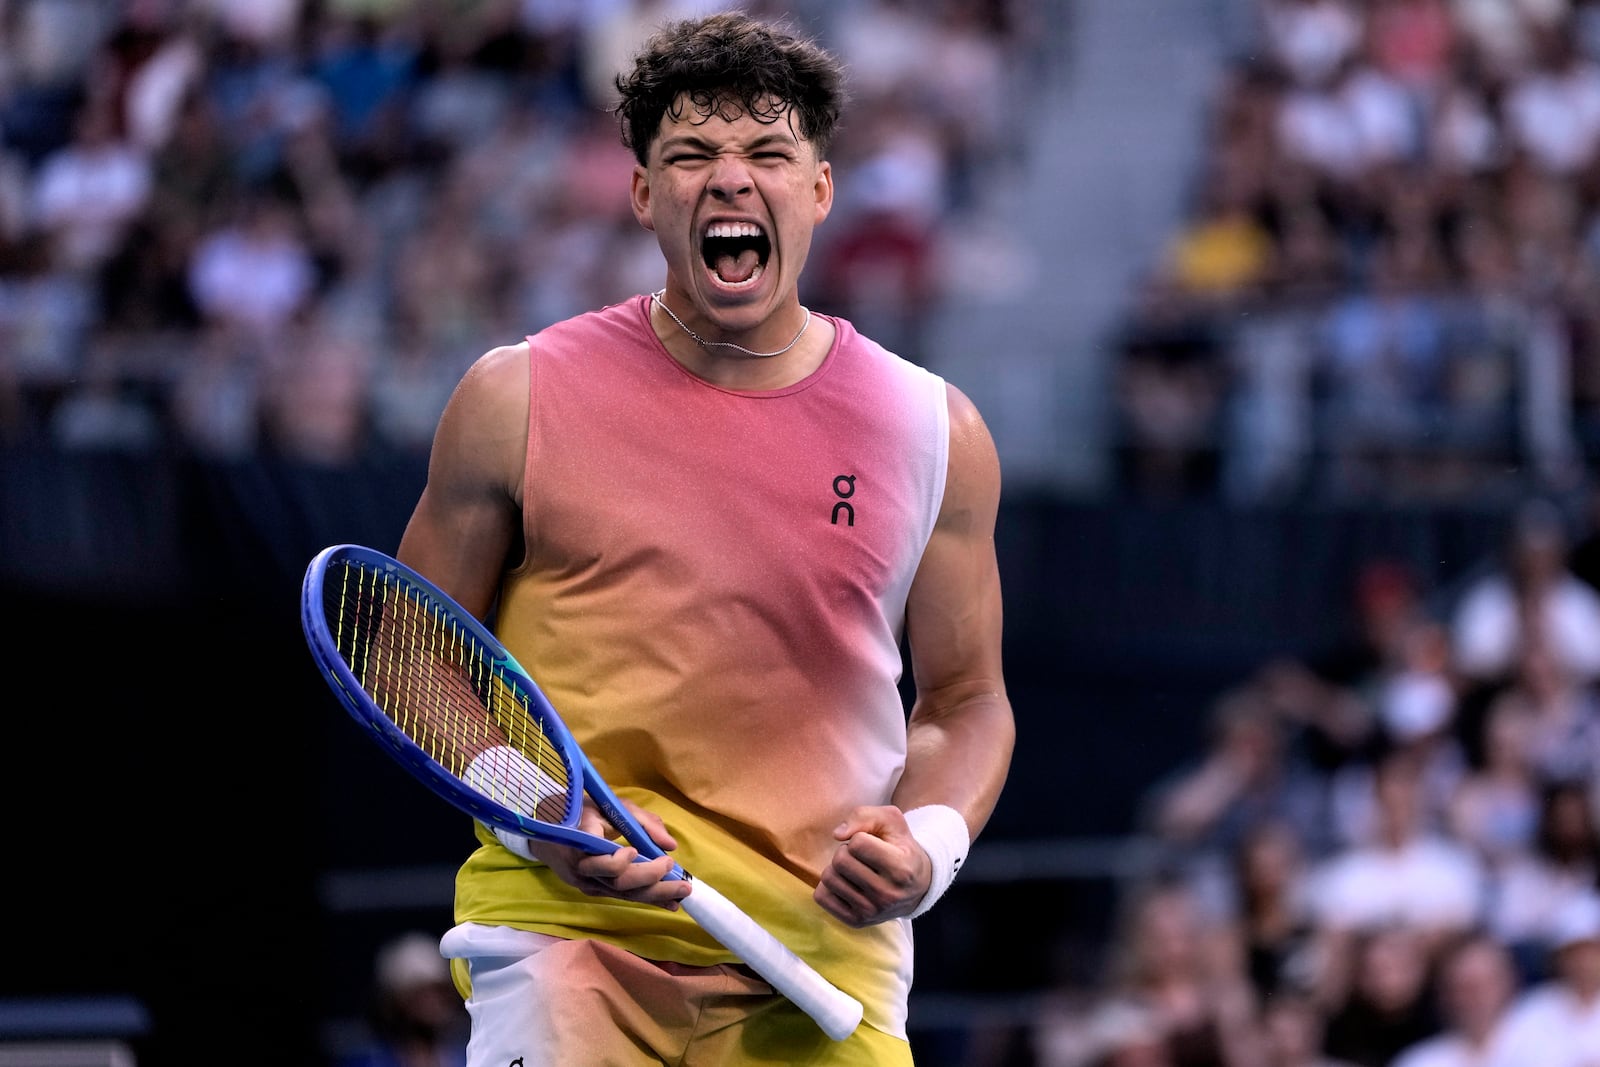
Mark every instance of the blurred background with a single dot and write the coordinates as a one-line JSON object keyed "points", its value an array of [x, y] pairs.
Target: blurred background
{"points": [[1285, 316]]}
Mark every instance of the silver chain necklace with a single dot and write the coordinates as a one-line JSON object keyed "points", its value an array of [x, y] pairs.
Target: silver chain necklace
{"points": [[703, 343]]}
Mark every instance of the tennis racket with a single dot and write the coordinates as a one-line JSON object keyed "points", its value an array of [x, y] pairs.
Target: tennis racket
{"points": [[441, 695]]}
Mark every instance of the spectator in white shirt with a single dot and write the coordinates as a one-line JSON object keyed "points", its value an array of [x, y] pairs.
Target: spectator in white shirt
{"points": [[1476, 985], [88, 194], [1531, 596], [1558, 1020], [1407, 874], [254, 275]]}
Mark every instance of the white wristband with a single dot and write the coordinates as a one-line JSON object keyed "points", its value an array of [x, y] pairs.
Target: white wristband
{"points": [[942, 833], [511, 780]]}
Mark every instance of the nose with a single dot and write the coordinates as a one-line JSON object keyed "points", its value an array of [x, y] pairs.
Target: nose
{"points": [[730, 178]]}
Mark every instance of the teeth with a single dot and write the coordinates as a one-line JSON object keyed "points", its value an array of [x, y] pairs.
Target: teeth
{"points": [[733, 229]]}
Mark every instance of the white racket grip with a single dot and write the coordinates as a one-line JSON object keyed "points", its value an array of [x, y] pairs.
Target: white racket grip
{"points": [[837, 1012]]}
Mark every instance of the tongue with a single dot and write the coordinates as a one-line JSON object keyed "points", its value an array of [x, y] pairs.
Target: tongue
{"points": [[737, 268]]}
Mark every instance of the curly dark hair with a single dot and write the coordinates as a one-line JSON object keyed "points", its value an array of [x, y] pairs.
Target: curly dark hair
{"points": [[730, 64]]}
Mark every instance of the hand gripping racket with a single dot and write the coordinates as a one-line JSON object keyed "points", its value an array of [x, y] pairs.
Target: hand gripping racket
{"points": [[442, 696]]}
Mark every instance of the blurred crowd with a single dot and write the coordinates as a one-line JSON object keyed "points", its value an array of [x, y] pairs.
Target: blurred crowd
{"points": [[1386, 289], [1388, 852], [413, 1017], [237, 227], [1386, 280]]}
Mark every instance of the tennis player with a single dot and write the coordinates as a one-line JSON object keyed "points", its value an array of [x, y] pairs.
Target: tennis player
{"points": [[704, 519]]}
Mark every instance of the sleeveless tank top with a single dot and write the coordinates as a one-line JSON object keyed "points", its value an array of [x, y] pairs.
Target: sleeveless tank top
{"points": [[713, 597]]}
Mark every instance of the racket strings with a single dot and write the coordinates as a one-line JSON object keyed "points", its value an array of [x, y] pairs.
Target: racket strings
{"points": [[435, 681]]}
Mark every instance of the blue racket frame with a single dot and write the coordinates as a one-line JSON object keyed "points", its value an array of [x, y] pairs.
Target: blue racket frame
{"points": [[581, 775]]}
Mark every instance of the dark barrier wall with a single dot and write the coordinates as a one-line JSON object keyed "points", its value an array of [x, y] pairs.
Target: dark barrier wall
{"points": [[180, 783]]}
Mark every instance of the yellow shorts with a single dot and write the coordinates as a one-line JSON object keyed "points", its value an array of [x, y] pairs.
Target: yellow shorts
{"points": [[543, 1001]]}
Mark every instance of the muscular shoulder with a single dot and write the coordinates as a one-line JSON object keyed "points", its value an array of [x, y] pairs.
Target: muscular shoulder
{"points": [[485, 425], [496, 385], [972, 488]]}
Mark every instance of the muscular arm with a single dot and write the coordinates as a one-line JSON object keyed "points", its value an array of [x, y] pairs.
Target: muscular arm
{"points": [[467, 520], [961, 730], [466, 527]]}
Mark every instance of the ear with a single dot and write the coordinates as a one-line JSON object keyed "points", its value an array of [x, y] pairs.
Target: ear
{"points": [[639, 197], [823, 189]]}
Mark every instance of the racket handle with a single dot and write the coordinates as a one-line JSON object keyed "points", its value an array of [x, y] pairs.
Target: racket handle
{"points": [[837, 1012]]}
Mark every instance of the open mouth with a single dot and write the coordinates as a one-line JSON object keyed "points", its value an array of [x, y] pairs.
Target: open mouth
{"points": [[736, 252]]}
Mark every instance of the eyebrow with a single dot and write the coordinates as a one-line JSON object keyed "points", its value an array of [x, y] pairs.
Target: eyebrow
{"points": [[690, 140]]}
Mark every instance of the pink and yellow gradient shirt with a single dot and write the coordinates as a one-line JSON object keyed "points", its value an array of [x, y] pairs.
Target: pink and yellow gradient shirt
{"points": [[713, 597]]}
